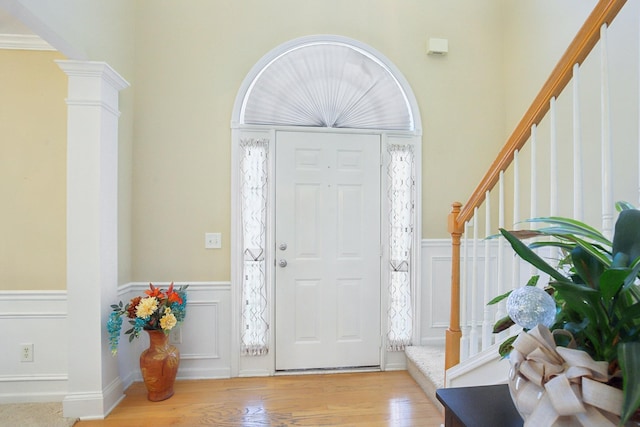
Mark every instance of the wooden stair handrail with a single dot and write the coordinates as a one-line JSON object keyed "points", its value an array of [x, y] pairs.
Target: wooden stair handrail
{"points": [[589, 34]]}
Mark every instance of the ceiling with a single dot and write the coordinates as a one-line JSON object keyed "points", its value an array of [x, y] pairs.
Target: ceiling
{"points": [[10, 25]]}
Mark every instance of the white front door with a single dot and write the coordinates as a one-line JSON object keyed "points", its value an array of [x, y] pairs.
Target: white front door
{"points": [[327, 284]]}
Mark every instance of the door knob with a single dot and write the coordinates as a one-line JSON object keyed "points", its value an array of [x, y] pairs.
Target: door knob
{"points": [[283, 246], [282, 263]]}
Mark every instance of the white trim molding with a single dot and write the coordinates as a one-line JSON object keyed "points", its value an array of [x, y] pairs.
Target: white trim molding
{"points": [[408, 134], [24, 42]]}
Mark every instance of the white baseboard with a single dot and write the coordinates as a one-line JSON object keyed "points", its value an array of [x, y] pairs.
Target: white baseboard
{"points": [[101, 403]]}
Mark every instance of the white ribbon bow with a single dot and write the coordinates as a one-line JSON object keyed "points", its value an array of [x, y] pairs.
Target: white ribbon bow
{"points": [[560, 386]]}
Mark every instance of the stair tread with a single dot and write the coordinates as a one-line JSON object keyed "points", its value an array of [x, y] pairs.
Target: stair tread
{"points": [[429, 359]]}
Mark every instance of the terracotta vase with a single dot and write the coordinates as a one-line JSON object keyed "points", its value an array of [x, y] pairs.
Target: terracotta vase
{"points": [[159, 366]]}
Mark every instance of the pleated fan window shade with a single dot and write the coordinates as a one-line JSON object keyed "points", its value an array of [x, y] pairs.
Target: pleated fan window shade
{"points": [[327, 85]]}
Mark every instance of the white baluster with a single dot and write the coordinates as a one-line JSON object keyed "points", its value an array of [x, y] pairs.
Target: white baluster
{"points": [[515, 261], [501, 286], [486, 322], [553, 159], [534, 178], [606, 168], [464, 300], [533, 144], [473, 335], [516, 188], [578, 189], [553, 168]]}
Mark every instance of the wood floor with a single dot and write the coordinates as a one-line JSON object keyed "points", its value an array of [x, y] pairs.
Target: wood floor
{"points": [[371, 399]]}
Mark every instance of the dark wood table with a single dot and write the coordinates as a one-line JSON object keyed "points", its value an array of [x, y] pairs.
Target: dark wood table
{"points": [[482, 406]]}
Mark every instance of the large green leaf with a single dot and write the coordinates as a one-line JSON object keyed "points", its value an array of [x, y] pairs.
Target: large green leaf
{"points": [[626, 237], [567, 226], [506, 347], [611, 281], [531, 257], [584, 300], [622, 205], [586, 303], [555, 244], [587, 266], [596, 251], [631, 278], [629, 358], [503, 324], [629, 317], [500, 298]]}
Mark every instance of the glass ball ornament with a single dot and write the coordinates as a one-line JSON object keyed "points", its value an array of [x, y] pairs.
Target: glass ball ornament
{"points": [[529, 306]]}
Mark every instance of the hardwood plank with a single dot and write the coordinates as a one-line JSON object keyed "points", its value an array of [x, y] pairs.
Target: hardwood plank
{"points": [[372, 399]]}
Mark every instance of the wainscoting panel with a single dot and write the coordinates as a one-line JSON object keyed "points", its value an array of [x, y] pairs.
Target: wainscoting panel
{"points": [[37, 318], [435, 291], [40, 318], [204, 338]]}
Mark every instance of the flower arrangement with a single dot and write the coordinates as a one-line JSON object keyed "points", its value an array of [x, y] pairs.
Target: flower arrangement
{"points": [[596, 294], [157, 310]]}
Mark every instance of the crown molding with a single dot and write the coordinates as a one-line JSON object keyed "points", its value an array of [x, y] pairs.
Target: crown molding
{"points": [[24, 42]]}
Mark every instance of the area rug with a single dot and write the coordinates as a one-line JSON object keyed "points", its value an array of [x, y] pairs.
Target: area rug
{"points": [[34, 415]]}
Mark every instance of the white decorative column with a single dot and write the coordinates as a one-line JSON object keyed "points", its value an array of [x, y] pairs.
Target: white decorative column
{"points": [[94, 385]]}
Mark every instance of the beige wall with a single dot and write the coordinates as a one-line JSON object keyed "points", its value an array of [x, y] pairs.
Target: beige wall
{"points": [[539, 32], [98, 30], [192, 57], [186, 61], [33, 152]]}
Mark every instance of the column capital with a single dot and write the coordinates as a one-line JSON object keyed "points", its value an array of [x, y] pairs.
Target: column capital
{"points": [[93, 69]]}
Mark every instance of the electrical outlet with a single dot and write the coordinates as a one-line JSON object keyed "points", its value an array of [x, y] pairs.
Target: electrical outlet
{"points": [[26, 352], [175, 336]]}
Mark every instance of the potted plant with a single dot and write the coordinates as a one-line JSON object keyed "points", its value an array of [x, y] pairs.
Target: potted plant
{"points": [[597, 298], [157, 313]]}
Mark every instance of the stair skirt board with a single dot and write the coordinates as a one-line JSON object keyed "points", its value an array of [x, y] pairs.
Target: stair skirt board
{"points": [[485, 368]]}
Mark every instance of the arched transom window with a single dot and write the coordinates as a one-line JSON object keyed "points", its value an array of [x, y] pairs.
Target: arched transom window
{"points": [[327, 84]]}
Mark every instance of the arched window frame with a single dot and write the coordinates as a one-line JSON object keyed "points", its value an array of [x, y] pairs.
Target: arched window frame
{"points": [[408, 135]]}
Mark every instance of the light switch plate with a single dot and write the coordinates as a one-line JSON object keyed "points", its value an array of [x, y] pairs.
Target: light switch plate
{"points": [[212, 240]]}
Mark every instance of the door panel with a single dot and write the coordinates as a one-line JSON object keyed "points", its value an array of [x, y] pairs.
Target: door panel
{"points": [[328, 215]]}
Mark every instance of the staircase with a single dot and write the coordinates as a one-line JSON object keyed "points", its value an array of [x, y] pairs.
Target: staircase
{"points": [[578, 144], [425, 364]]}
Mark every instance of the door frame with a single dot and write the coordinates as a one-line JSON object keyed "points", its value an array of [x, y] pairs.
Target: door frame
{"points": [[265, 365]]}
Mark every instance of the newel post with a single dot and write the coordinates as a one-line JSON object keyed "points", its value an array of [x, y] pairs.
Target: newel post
{"points": [[453, 334]]}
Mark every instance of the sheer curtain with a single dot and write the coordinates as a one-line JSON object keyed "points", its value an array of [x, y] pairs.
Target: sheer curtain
{"points": [[253, 187], [401, 202]]}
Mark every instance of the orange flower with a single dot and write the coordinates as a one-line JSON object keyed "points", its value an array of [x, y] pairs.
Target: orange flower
{"points": [[174, 297], [157, 292]]}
